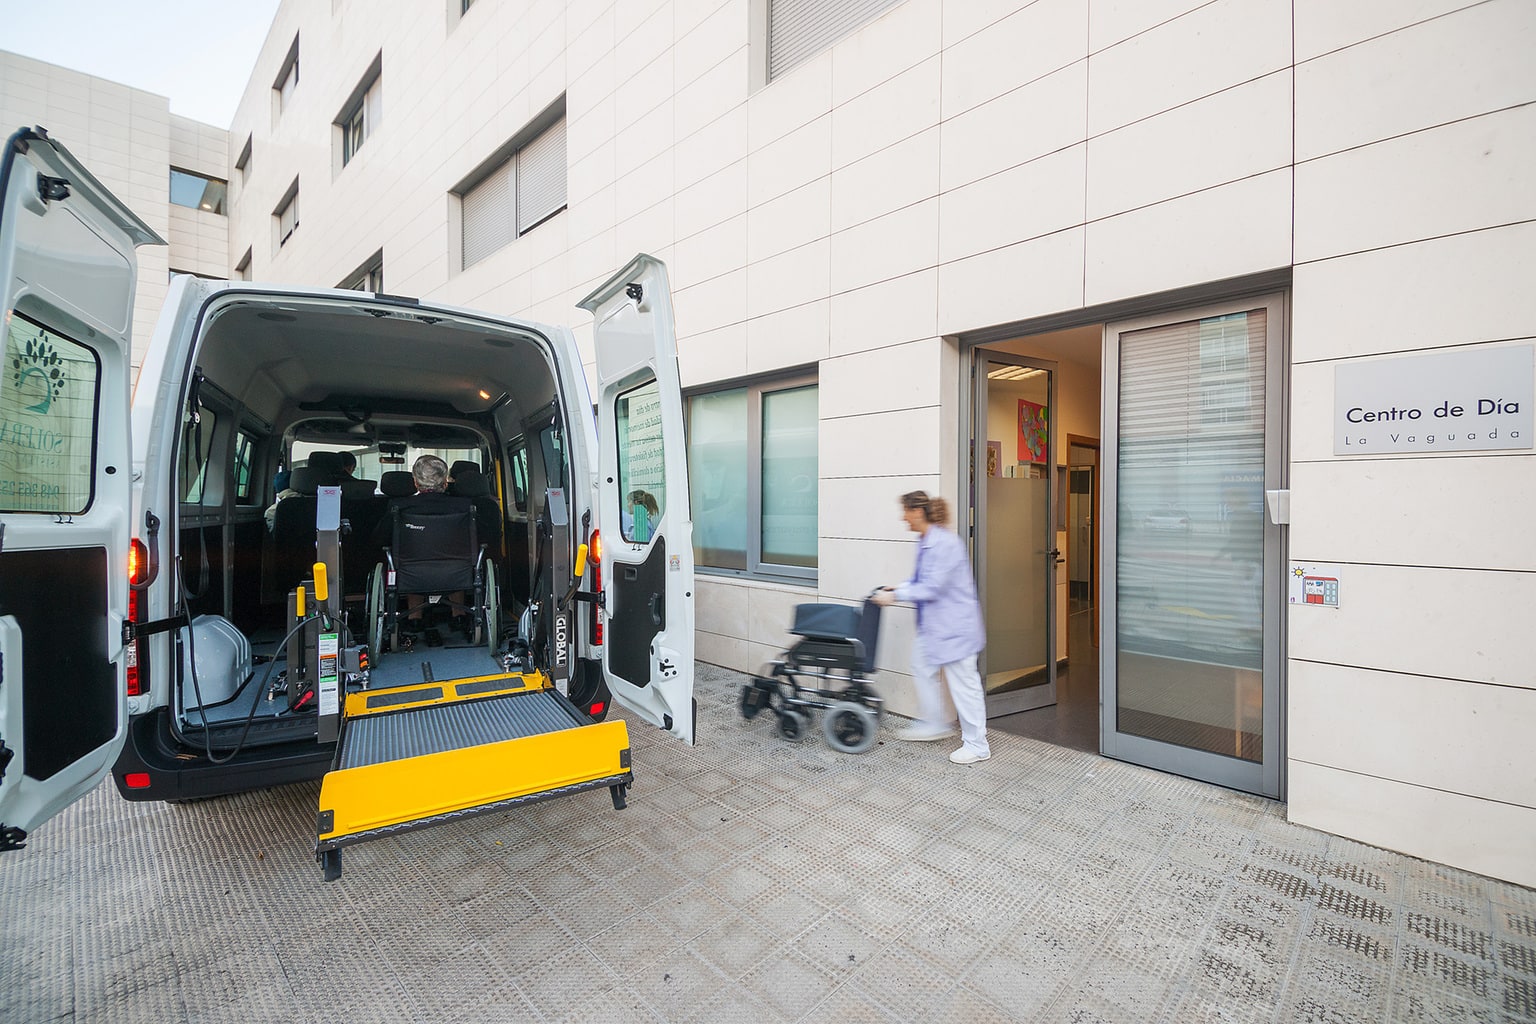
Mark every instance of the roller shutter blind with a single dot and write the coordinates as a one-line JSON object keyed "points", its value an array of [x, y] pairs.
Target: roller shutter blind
{"points": [[489, 211], [800, 29], [541, 176]]}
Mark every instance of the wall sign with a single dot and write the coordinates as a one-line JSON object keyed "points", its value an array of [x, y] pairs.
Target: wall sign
{"points": [[1314, 584], [1449, 401]]}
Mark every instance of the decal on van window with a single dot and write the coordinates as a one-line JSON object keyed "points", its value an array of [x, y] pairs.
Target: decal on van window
{"points": [[642, 473], [47, 420]]}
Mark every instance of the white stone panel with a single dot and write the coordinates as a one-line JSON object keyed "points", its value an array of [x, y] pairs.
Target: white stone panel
{"points": [[962, 20], [987, 139], [786, 164], [1210, 49], [897, 109], [721, 36], [797, 336], [790, 102], [1234, 229], [712, 304], [898, 176], [731, 652], [1398, 618], [1484, 836], [710, 253], [1468, 63], [866, 508], [903, 443], [790, 221], [712, 95], [899, 377], [1020, 203], [1416, 511], [902, 37], [886, 313], [1325, 25], [1443, 291], [711, 355], [1460, 177], [713, 200], [1113, 21], [1043, 275], [1234, 134], [789, 279], [720, 606], [712, 148], [895, 245], [850, 569], [771, 611], [1044, 37]]}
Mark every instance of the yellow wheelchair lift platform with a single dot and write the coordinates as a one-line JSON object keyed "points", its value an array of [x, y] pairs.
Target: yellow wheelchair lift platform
{"points": [[414, 756]]}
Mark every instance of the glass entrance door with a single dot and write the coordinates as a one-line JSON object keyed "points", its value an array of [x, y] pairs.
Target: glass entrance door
{"points": [[1014, 478], [1193, 581]]}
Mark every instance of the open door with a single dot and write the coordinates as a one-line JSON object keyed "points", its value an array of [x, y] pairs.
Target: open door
{"points": [[643, 498], [68, 269]]}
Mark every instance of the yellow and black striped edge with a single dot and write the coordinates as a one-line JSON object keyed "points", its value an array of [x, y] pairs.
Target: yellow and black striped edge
{"points": [[395, 698]]}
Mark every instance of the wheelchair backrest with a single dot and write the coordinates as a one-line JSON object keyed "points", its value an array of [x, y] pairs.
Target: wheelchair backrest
{"points": [[435, 547]]}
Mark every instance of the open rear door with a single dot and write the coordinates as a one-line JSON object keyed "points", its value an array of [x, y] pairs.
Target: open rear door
{"points": [[68, 269], [643, 498]]}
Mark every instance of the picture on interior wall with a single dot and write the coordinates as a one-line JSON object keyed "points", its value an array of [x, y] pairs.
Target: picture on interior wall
{"points": [[994, 458], [1034, 432]]}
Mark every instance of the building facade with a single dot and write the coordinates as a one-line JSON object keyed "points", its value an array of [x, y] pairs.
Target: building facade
{"points": [[1162, 297], [170, 169]]}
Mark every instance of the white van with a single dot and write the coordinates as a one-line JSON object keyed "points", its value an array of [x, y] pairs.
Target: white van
{"points": [[428, 657]]}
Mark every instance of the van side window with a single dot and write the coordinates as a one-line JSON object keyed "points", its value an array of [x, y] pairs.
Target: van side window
{"points": [[48, 410], [197, 442], [517, 461], [245, 445], [642, 474]]}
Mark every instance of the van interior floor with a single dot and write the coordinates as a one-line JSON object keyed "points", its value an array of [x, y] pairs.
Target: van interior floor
{"points": [[425, 664]]}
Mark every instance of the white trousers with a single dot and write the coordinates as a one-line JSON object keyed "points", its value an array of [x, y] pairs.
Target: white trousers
{"points": [[964, 689]]}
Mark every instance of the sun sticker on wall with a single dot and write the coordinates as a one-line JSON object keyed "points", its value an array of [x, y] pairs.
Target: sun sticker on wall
{"points": [[37, 373]]}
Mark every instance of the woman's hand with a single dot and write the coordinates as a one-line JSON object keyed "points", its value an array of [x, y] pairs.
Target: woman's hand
{"points": [[884, 597]]}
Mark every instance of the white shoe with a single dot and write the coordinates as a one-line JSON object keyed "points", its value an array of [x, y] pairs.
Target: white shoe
{"points": [[921, 732], [969, 755]]}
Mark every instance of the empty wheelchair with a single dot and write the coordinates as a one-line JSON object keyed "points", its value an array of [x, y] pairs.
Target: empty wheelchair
{"points": [[433, 553], [828, 668]]}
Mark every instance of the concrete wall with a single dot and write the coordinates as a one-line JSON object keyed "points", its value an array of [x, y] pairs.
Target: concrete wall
{"points": [[958, 165]]}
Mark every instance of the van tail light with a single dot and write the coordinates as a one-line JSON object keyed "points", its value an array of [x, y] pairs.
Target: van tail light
{"points": [[136, 780], [138, 563], [595, 560], [596, 708]]}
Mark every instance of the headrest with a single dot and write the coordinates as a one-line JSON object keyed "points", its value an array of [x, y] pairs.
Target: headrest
{"points": [[470, 483], [327, 466], [356, 490], [305, 480], [280, 480], [462, 466], [397, 483]]}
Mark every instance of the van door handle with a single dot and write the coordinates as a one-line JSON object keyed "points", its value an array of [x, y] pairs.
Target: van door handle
{"points": [[659, 610]]}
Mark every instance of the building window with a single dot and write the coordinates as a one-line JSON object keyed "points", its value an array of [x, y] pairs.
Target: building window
{"points": [[243, 268], [243, 161], [367, 278], [800, 29], [522, 189], [197, 191], [752, 478], [287, 77], [287, 215], [359, 117]]}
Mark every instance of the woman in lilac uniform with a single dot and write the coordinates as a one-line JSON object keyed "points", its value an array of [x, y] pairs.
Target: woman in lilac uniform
{"points": [[949, 630]]}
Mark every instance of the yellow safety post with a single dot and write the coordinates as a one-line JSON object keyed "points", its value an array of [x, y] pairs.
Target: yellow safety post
{"points": [[322, 588]]}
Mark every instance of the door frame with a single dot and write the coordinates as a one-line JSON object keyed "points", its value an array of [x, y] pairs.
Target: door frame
{"points": [[1030, 698], [1084, 441], [1267, 777]]}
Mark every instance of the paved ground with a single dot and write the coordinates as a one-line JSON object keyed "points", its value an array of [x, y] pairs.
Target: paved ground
{"points": [[754, 881]]}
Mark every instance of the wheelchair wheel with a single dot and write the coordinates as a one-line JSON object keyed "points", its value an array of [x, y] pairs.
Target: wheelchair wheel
{"points": [[850, 727], [792, 725], [492, 610], [375, 611]]}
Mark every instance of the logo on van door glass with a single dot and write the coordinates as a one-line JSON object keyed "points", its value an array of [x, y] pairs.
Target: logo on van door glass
{"points": [[38, 373]]}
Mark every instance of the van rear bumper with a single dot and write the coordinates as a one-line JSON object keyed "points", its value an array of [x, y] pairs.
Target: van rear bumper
{"points": [[177, 772]]}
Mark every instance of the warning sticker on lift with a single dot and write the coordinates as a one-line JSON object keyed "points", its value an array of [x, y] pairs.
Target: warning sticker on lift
{"points": [[330, 673]]}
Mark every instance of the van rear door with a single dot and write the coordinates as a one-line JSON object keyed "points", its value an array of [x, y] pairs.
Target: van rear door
{"points": [[68, 268], [643, 498]]}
